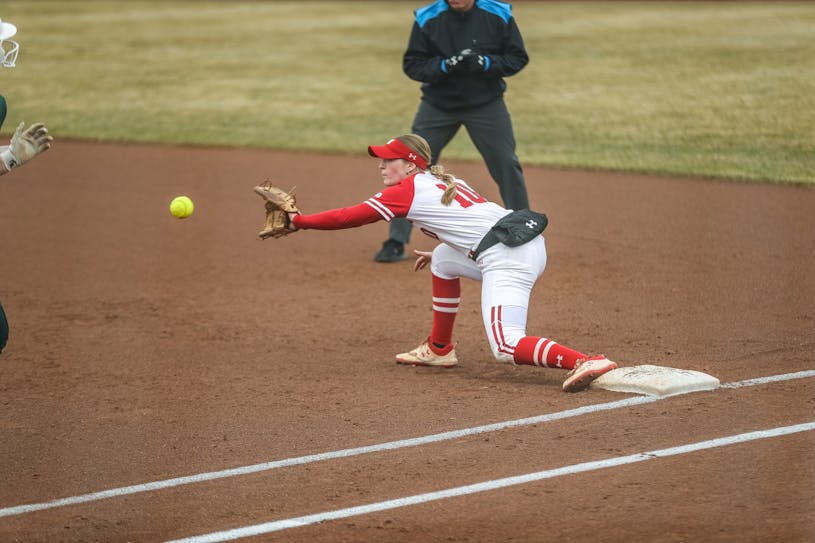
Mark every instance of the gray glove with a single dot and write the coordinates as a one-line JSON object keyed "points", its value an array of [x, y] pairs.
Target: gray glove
{"points": [[25, 145]]}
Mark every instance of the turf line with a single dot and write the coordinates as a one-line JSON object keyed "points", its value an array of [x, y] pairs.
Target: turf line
{"points": [[345, 453]]}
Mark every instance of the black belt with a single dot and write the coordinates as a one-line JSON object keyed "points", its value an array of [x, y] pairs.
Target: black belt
{"points": [[486, 242]]}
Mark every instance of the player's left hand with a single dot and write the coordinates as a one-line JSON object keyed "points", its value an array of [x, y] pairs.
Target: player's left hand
{"points": [[26, 144], [473, 61], [423, 259]]}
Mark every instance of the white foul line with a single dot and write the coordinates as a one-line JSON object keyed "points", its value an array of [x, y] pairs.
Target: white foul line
{"points": [[770, 379], [344, 453], [275, 526]]}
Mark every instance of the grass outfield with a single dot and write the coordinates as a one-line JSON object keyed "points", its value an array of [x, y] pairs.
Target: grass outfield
{"points": [[702, 89]]}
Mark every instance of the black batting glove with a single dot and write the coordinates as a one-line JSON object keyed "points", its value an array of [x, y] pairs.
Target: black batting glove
{"points": [[454, 65], [473, 61]]}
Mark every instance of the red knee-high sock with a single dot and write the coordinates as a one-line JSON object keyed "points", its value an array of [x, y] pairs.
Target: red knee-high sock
{"points": [[539, 351], [446, 297]]}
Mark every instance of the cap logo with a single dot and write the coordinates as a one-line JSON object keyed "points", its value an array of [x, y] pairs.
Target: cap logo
{"points": [[411, 156]]}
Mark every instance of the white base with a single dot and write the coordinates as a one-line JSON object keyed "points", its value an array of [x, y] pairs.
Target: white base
{"points": [[655, 380]]}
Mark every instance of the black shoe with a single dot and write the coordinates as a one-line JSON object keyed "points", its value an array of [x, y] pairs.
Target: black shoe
{"points": [[391, 251]]}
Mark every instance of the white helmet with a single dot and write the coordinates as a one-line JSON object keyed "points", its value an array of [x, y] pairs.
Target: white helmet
{"points": [[9, 49]]}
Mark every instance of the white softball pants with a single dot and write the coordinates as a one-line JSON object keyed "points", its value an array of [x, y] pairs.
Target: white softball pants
{"points": [[507, 275]]}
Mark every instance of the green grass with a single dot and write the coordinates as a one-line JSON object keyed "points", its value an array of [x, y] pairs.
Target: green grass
{"points": [[704, 89]]}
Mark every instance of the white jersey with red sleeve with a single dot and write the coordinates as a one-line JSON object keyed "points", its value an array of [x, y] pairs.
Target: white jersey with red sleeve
{"points": [[460, 225]]}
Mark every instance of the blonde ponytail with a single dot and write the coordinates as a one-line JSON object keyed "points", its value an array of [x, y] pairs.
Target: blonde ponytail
{"points": [[450, 192]]}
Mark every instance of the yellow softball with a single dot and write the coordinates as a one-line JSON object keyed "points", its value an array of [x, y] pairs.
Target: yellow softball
{"points": [[181, 207]]}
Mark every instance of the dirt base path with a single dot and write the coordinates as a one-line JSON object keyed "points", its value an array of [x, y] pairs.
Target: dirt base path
{"points": [[144, 348]]}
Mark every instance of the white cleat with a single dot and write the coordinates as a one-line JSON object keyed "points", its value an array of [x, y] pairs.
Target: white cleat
{"points": [[585, 371], [424, 356]]}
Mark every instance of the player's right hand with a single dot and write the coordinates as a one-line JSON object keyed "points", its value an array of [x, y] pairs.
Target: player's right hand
{"points": [[454, 64]]}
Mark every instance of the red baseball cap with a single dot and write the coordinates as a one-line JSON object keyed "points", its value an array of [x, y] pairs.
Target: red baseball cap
{"points": [[396, 149]]}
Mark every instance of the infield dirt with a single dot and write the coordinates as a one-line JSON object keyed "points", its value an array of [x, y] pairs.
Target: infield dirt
{"points": [[144, 348]]}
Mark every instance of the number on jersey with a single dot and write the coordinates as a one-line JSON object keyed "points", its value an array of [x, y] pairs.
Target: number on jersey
{"points": [[465, 196]]}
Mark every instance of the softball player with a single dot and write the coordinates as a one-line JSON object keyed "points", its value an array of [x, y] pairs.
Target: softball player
{"points": [[449, 210], [25, 143]]}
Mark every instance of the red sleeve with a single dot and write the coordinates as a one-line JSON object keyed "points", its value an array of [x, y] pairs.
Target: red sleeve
{"points": [[337, 219], [392, 202]]}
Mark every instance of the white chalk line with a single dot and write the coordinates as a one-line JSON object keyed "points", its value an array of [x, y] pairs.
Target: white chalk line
{"points": [[770, 379], [345, 453], [278, 525]]}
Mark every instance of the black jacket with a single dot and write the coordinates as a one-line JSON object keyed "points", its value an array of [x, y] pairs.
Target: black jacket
{"points": [[439, 33]]}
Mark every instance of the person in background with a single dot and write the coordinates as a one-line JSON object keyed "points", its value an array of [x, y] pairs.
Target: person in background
{"points": [[461, 51]]}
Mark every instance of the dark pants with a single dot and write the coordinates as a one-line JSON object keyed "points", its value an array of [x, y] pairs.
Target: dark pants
{"points": [[3, 321], [3, 329], [490, 130]]}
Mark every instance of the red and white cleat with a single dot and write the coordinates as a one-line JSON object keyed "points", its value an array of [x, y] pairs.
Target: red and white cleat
{"points": [[586, 371]]}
